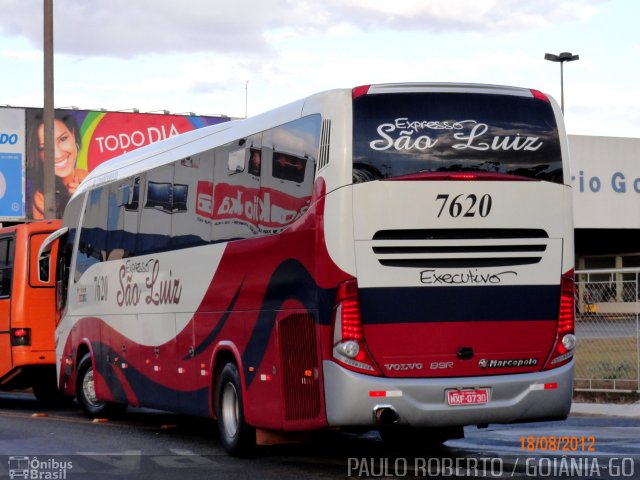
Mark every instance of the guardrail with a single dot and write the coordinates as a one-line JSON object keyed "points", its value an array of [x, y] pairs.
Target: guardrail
{"points": [[608, 330]]}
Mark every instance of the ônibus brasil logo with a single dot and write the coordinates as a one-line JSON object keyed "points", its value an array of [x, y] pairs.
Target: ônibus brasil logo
{"points": [[35, 468]]}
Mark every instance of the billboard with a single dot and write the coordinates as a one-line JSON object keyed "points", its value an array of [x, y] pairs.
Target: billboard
{"points": [[84, 139], [605, 175], [12, 181]]}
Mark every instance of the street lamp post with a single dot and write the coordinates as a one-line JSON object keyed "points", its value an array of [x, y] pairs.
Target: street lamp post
{"points": [[246, 98], [49, 185], [563, 57]]}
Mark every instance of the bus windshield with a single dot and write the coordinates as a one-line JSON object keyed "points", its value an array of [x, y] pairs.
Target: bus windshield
{"points": [[408, 133]]}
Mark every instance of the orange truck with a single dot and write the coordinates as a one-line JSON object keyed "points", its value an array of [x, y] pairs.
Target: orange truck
{"points": [[27, 312]]}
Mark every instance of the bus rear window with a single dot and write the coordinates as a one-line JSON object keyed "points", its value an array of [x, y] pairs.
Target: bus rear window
{"points": [[406, 133]]}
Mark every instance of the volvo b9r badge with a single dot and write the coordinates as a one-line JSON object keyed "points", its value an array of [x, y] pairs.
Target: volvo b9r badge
{"points": [[399, 367]]}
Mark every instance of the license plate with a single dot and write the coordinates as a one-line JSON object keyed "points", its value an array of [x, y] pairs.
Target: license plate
{"points": [[468, 397]]}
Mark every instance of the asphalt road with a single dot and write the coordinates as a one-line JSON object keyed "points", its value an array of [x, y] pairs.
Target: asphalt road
{"points": [[146, 444]]}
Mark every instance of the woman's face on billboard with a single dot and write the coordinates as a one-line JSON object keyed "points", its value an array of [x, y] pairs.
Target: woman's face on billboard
{"points": [[66, 150]]}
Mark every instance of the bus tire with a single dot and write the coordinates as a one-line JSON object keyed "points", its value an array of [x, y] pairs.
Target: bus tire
{"points": [[237, 438], [86, 394]]}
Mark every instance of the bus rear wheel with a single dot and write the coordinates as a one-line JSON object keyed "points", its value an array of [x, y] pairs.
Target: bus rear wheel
{"points": [[237, 438], [86, 393]]}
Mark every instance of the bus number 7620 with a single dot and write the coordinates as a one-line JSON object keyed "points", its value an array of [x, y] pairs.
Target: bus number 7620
{"points": [[469, 204]]}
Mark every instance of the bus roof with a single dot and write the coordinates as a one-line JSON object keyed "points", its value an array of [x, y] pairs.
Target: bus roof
{"points": [[196, 141], [185, 144], [448, 88]]}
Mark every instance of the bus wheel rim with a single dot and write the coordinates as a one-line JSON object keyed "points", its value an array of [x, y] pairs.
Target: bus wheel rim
{"points": [[89, 388], [230, 410]]}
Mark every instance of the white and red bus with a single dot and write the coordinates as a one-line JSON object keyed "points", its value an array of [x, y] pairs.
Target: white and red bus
{"points": [[393, 256]]}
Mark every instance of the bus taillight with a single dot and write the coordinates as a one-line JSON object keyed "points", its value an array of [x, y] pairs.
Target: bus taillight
{"points": [[565, 337], [539, 95], [349, 347], [463, 176], [20, 337], [360, 91]]}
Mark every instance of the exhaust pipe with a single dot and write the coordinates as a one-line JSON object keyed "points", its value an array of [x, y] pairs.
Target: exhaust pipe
{"points": [[385, 415]]}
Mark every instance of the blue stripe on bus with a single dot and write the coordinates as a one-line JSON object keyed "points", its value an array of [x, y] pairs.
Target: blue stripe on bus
{"points": [[213, 334], [147, 391], [459, 304], [289, 281]]}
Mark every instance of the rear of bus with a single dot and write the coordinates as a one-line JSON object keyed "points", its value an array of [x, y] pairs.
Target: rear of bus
{"points": [[461, 309], [27, 312]]}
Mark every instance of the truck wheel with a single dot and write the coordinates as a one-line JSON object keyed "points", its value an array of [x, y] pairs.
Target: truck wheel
{"points": [[237, 438], [86, 393]]}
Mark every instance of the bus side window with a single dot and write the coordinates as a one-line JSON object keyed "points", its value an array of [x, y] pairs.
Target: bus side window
{"points": [[255, 161], [234, 213], [192, 201], [44, 266], [131, 208], [42, 275], [289, 156], [122, 222], [236, 161], [65, 249], [118, 196], [155, 218], [288, 167], [92, 245], [6, 266]]}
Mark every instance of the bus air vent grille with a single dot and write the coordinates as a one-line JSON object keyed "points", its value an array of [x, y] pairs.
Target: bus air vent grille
{"points": [[460, 234], [325, 138], [299, 354], [459, 248]]}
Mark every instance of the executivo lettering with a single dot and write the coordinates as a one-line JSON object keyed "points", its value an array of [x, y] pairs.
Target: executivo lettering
{"points": [[470, 277]]}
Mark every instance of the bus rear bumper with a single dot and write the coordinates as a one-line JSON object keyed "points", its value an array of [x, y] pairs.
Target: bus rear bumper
{"points": [[352, 398]]}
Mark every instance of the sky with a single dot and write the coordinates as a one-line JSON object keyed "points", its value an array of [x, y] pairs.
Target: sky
{"points": [[231, 57]]}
